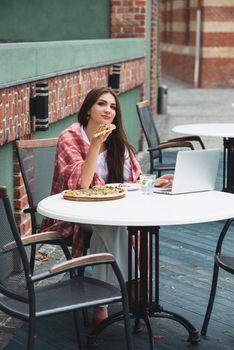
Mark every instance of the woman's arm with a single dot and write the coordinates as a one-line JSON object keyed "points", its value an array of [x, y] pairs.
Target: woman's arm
{"points": [[89, 165], [71, 154]]}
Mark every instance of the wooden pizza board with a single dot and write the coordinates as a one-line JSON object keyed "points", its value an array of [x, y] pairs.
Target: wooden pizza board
{"points": [[96, 198]]}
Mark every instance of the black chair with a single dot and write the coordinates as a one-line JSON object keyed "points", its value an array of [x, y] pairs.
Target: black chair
{"points": [[36, 160], [24, 298], [220, 261], [155, 146]]}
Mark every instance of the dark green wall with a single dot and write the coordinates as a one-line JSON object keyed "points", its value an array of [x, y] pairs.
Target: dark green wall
{"points": [[128, 102], [39, 20], [40, 60], [56, 128], [6, 168]]}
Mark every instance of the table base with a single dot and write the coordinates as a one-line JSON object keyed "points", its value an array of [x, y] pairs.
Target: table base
{"points": [[143, 288], [193, 338]]}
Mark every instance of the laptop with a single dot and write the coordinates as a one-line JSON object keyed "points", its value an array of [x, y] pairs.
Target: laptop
{"points": [[195, 171]]}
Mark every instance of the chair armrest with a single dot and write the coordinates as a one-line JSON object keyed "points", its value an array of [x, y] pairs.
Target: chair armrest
{"points": [[189, 138], [41, 237], [82, 261], [171, 145], [30, 210], [151, 149], [36, 238], [71, 264]]}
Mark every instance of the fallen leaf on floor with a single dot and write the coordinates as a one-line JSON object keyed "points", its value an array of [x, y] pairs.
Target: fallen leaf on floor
{"points": [[159, 337], [42, 256]]}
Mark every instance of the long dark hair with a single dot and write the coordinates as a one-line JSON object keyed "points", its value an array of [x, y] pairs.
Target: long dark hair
{"points": [[117, 142]]}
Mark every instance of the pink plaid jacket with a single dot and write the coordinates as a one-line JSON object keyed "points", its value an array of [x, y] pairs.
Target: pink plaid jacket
{"points": [[70, 155]]}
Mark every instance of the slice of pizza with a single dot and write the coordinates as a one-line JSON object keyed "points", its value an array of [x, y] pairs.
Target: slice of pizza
{"points": [[103, 129]]}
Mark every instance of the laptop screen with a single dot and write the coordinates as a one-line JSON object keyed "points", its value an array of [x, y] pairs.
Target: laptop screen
{"points": [[195, 171]]}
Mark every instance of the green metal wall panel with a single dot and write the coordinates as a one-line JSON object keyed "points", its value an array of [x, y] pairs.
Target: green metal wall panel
{"points": [[45, 20], [25, 61], [6, 168], [128, 102], [56, 128]]}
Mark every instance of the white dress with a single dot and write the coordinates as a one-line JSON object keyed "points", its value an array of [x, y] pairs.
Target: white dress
{"points": [[111, 239]]}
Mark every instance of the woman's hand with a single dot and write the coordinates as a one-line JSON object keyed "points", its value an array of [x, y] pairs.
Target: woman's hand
{"points": [[164, 180], [101, 138]]}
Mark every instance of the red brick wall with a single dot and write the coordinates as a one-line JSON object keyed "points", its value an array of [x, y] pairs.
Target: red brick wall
{"points": [[132, 75], [66, 92], [20, 201], [217, 41], [178, 66], [128, 18], [217, 72], [14, 112]]}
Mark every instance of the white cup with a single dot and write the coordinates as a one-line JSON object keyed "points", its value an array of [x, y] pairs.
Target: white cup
{"points": [[147, 182]]}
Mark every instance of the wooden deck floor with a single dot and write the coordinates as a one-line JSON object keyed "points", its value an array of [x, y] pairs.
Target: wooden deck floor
{"points": [[186, 263]]}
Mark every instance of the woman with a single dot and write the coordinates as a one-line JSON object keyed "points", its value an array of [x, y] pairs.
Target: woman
{"points": [[83, 161]]}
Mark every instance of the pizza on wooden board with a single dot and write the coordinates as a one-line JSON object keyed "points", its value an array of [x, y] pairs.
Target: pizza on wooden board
{"points": [[97, 193]]}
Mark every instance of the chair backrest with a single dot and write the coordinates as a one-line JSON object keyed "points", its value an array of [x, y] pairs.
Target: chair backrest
{"points": [[147, 123], [36, 159], [14, 264], [148, 126]]}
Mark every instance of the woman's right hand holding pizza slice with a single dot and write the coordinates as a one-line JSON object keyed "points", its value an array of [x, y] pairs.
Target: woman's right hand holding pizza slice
{"points": [[103, 132]]}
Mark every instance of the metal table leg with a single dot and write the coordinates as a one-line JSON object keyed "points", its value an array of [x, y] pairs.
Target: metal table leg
{"points": [[143, 298], [228, 165]]}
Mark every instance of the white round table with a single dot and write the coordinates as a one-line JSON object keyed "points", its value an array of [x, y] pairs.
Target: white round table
{"points": [[224, 130], [143, 214], [206, 129], [137, 209]]}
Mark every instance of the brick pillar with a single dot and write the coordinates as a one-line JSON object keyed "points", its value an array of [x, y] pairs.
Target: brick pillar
{"points": [[20, 201], [128, 20], [153, 56]]}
